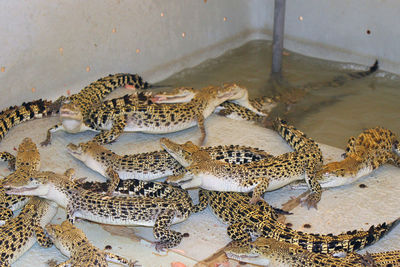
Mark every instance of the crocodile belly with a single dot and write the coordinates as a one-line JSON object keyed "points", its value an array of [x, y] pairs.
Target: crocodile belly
{"points": [[157, 127], [112, 218], [279, 182], [211, 182]]}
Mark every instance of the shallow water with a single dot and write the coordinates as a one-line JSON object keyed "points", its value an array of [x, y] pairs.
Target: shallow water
{"points": [[329, 115]]}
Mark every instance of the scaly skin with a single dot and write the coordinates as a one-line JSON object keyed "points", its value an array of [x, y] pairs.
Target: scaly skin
{"points": [[73, 243], [15, 115], [158, 213], [370, 150], [26, 162], [265, 105], [246, 220], [154, 165], [139, 114], [258, 176], [270, 252], [19, 234], [76, 108]]}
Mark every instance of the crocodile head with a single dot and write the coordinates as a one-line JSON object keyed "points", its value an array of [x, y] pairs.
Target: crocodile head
{"points": [[93, 155], [28, 156], [64, 236], [43, 184], [265, 252], [185, 153], [71, 117], [178, 95], [342, 172]]}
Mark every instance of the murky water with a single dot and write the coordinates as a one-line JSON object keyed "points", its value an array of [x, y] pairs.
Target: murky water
{"points": [[329, 115]]}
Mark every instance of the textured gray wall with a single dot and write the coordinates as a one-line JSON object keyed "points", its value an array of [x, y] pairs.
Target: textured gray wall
{"points": [[49, 47]]}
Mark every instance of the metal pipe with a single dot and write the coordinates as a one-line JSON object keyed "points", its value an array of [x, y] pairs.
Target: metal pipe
{"points": [[277, 43]]}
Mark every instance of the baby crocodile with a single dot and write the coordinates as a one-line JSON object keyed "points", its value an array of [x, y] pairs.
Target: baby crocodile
{"points": [[73, 243], [371, 149], [270, 252], [156, 164], [140, 114], [19, 234], [26, 162], [158, 213], [258, 176], [293, 95], [246, 220], [76, 108]]}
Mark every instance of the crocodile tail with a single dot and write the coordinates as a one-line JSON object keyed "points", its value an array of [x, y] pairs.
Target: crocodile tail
{"points": [[342, 79], [15, 115], [295, 138], [346, 242]]}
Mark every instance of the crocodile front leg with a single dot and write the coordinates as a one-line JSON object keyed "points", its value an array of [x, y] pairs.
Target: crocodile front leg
{"points": [[202, 127], [106, 137], [53, 129], [168, 238], [42, 237], [315, 196], [66, 263], [118, 259], [114, 180], [259, 190], [9, 158]]}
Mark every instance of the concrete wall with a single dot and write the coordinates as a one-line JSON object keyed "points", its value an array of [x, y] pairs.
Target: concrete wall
{"points": [[50, 47], [341, 30]]}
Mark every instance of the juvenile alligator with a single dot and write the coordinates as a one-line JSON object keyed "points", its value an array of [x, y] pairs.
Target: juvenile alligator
{"points": [[73, 243], [137, 113], [156, 164], [266, 105], [158, 213], [246, 220], [370, 150], [76, 108], [20, 233], [26, 162], [270, 252], [258, 176]]}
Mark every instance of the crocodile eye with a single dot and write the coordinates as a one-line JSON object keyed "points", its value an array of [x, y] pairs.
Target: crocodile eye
{"points": [[31, 179]]}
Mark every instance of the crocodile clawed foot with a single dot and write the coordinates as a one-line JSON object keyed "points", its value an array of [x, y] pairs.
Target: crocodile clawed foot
{"points": [[367, 260], [161, 246], [11, 164], [134, 264], [311, 201], [45, 143], [254, 200]]}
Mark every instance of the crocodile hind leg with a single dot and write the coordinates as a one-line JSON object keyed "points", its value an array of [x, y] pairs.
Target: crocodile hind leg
{"points": [[10, 158], [106, 137], [203, 201], [162, 232], [241, 232], [118, 259], [42, 237], [350, 147]]}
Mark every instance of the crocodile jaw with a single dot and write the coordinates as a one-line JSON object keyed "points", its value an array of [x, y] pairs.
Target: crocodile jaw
{"points": [[248, 258], [27, 190], [333, 180]]}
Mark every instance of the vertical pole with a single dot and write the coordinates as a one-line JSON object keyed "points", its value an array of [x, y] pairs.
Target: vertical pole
{"points": [[277, 43]]}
